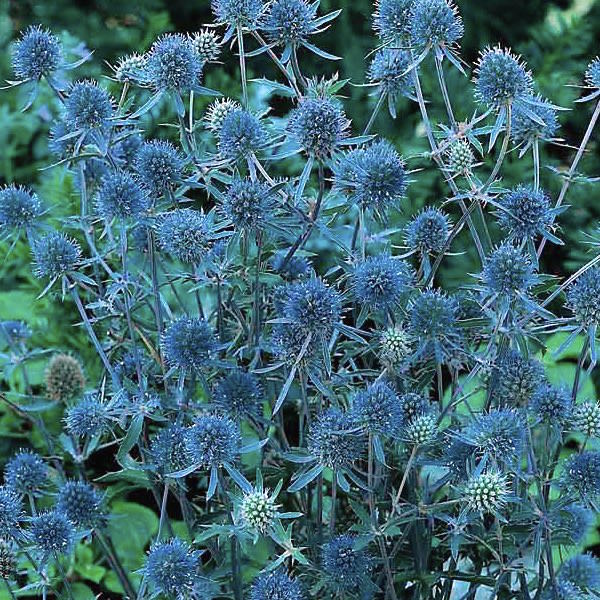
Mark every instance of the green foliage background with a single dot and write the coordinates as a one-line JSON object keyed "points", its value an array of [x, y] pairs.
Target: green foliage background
{"points": [[557, 38]]}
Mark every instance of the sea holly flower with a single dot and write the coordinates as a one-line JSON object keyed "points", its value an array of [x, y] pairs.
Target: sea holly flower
{"points": [[214, 442], [487, 492], [428, 232], [38, 54], [20, 210], [257, 512], [82, 504], [525, 213], [26, 473], [392, 20], [389, 72], [373, 177], [171, 568], [346, 566], [533, 121], [581, 300], [291, 22], [53, 534], [335, 441], [276, 584], [379, 283]]}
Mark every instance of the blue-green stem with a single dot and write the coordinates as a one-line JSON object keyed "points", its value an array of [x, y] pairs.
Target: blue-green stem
{"points": [[503, 150], [240, 41], [438, 159], [376, 109], [573, 168]]}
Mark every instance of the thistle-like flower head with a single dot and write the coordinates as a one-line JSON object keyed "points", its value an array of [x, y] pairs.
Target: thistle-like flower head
{"points": [[19, 209], [582, 298], [89, 417], [248, 204], [159, 166], [551, 404], [318, 125], [213, 440], [82, 504], [121, 196], [52, 533], [374, 177], [378, 410], [334, 439], [173, 63], [186, 234], [487, 492], [276, 585], [526, 213], [239, 393], [189, 343], [428, 231], [171, 568], [289, 21], [379, 282], [241, 134], [38, 52], [88, 107], [581, 476], [26, 473], [345, 566], [501, 78], [435, 23], [54, 255], [64, 378], [392, 19], [238, 13]]}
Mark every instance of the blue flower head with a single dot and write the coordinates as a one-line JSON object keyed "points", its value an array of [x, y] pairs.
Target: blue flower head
{"points": [[392, 19], [159, 166], [207, 46], [499, 434], [289, 21], [344, 565], [313, 306], [581, 476], [592, 74], [516, 378], [240, 134], [583, 571], [82, 504], [186, 235], [501, 78], [89, 417], [551, 404], [428, 231], [379, 282], [574, 522], [433, 322], [126, 149], [26, 473], [525, 130], [168, 449], [213, 440], [88, 107], [295, 268], [120, 196], [388, 69], [413, 405], [173, 64], [289, 341], [52, 533], [11, 512], [582, 298], [507, 273], [276, 585], [37, 53], [248, 203], [19, 209], [318, 125], [238, 13], [526, 213], [333, 439], [239, 393], [435, 23], [189, 343], [378, 409], [374, 177], [54, 255], [171, 568]]}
